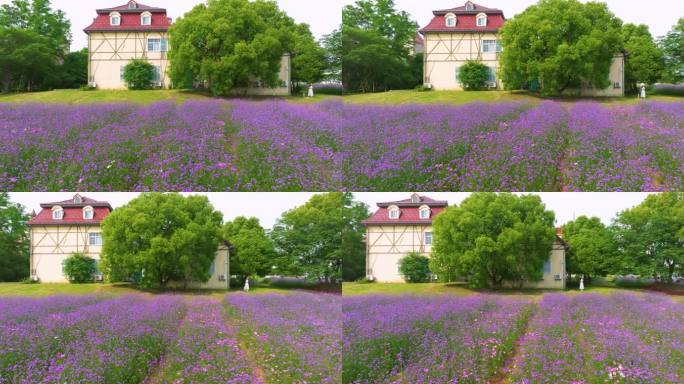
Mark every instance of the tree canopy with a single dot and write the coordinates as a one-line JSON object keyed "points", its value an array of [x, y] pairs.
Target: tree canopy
{"points": [[252, 251], [375, 37], [14, 241], [650, 236], [672, 46], [493, 238], [644, 61], [37, 16], [560, 44], [210, 46], [161, 238], [311, 238], [592, 247]]}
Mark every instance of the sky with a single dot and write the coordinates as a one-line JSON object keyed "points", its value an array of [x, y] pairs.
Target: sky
{"points": [[322, 15], [659, 15], [269, 206]]}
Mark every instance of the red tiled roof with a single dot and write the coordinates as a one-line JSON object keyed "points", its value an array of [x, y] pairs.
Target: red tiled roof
{"points": [[465, 23], [73, 212], [72, 215], [462, 10], [409, 211], [126, 9], [130, 20], [419, 39]]}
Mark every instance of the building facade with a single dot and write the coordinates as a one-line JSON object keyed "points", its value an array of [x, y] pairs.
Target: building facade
{"points": [[471, 32], [137, 31], [66, 227], [62, 229], [401, 227], [120, 34]]}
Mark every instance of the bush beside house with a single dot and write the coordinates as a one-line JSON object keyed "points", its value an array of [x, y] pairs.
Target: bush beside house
{"points": [[79, 268], [415, 268]]}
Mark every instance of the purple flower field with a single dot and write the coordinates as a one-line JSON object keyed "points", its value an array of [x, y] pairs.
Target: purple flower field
{"points": [[587, 338], [277, 145], [168, 339]]}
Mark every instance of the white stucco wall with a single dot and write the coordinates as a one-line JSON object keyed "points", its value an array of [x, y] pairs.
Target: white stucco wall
{"points": [[387, 244], [109, 51], [446, 52], [51, 245], [221, 268], [616, 77]]}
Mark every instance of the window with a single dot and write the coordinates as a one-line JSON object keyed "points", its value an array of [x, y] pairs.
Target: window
{"points": [[415, 198], [157, 45], [492, 75], [499, 48], [424, 212], [469, 6], [394, 212], [95, 239], [547, 266], [146, 18], [157, 74], [488, 46], [115, 18], [212, 268], [617, 85], [57, 213], [450, 20], [88, 213], [78, 199], [428, 238], [132, 5], [481, 20]]}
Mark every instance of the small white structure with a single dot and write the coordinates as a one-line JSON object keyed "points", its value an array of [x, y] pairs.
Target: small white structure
{"points": [[311, 91], [581, 284], [246, 288]]}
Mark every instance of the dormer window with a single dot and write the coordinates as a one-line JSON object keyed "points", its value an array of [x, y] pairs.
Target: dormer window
{"points": [[394, 212], [57, 213], [146, 18], [88, 213], [450, 20], [469, 6], [481, 20], [415, 198], [132, 5], [115, 18], [424, 212], [78, 199]]}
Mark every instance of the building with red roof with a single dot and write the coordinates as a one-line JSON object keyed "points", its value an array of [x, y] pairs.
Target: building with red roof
{"points": [[471, 32], [122, 33], [61, 229], [398, 228]]}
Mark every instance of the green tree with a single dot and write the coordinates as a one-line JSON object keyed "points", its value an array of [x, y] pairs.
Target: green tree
{"points": [[139, 74], [252, 251], [332, 43], [210, 46], [79, 268], [492, 238], [473, 75], [651, 236], [14, 241], [26, 60], [644, 61], [415, 268], [37, 16], [592, 248], [308, 58], [309, 238], [366, 58], [73, 72], [353, 248], [376, 36], [672, 46], [560, 44], [162, 237]]}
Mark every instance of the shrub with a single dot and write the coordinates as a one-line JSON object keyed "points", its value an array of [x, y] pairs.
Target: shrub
{"points": [[80, 268], [415, 268], [139, 74], [473, 75]]}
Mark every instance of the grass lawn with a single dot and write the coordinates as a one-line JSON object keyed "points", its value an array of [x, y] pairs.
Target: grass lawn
{"points": [[458, 289], [75, 96], [37, 290], [461, 97]]}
